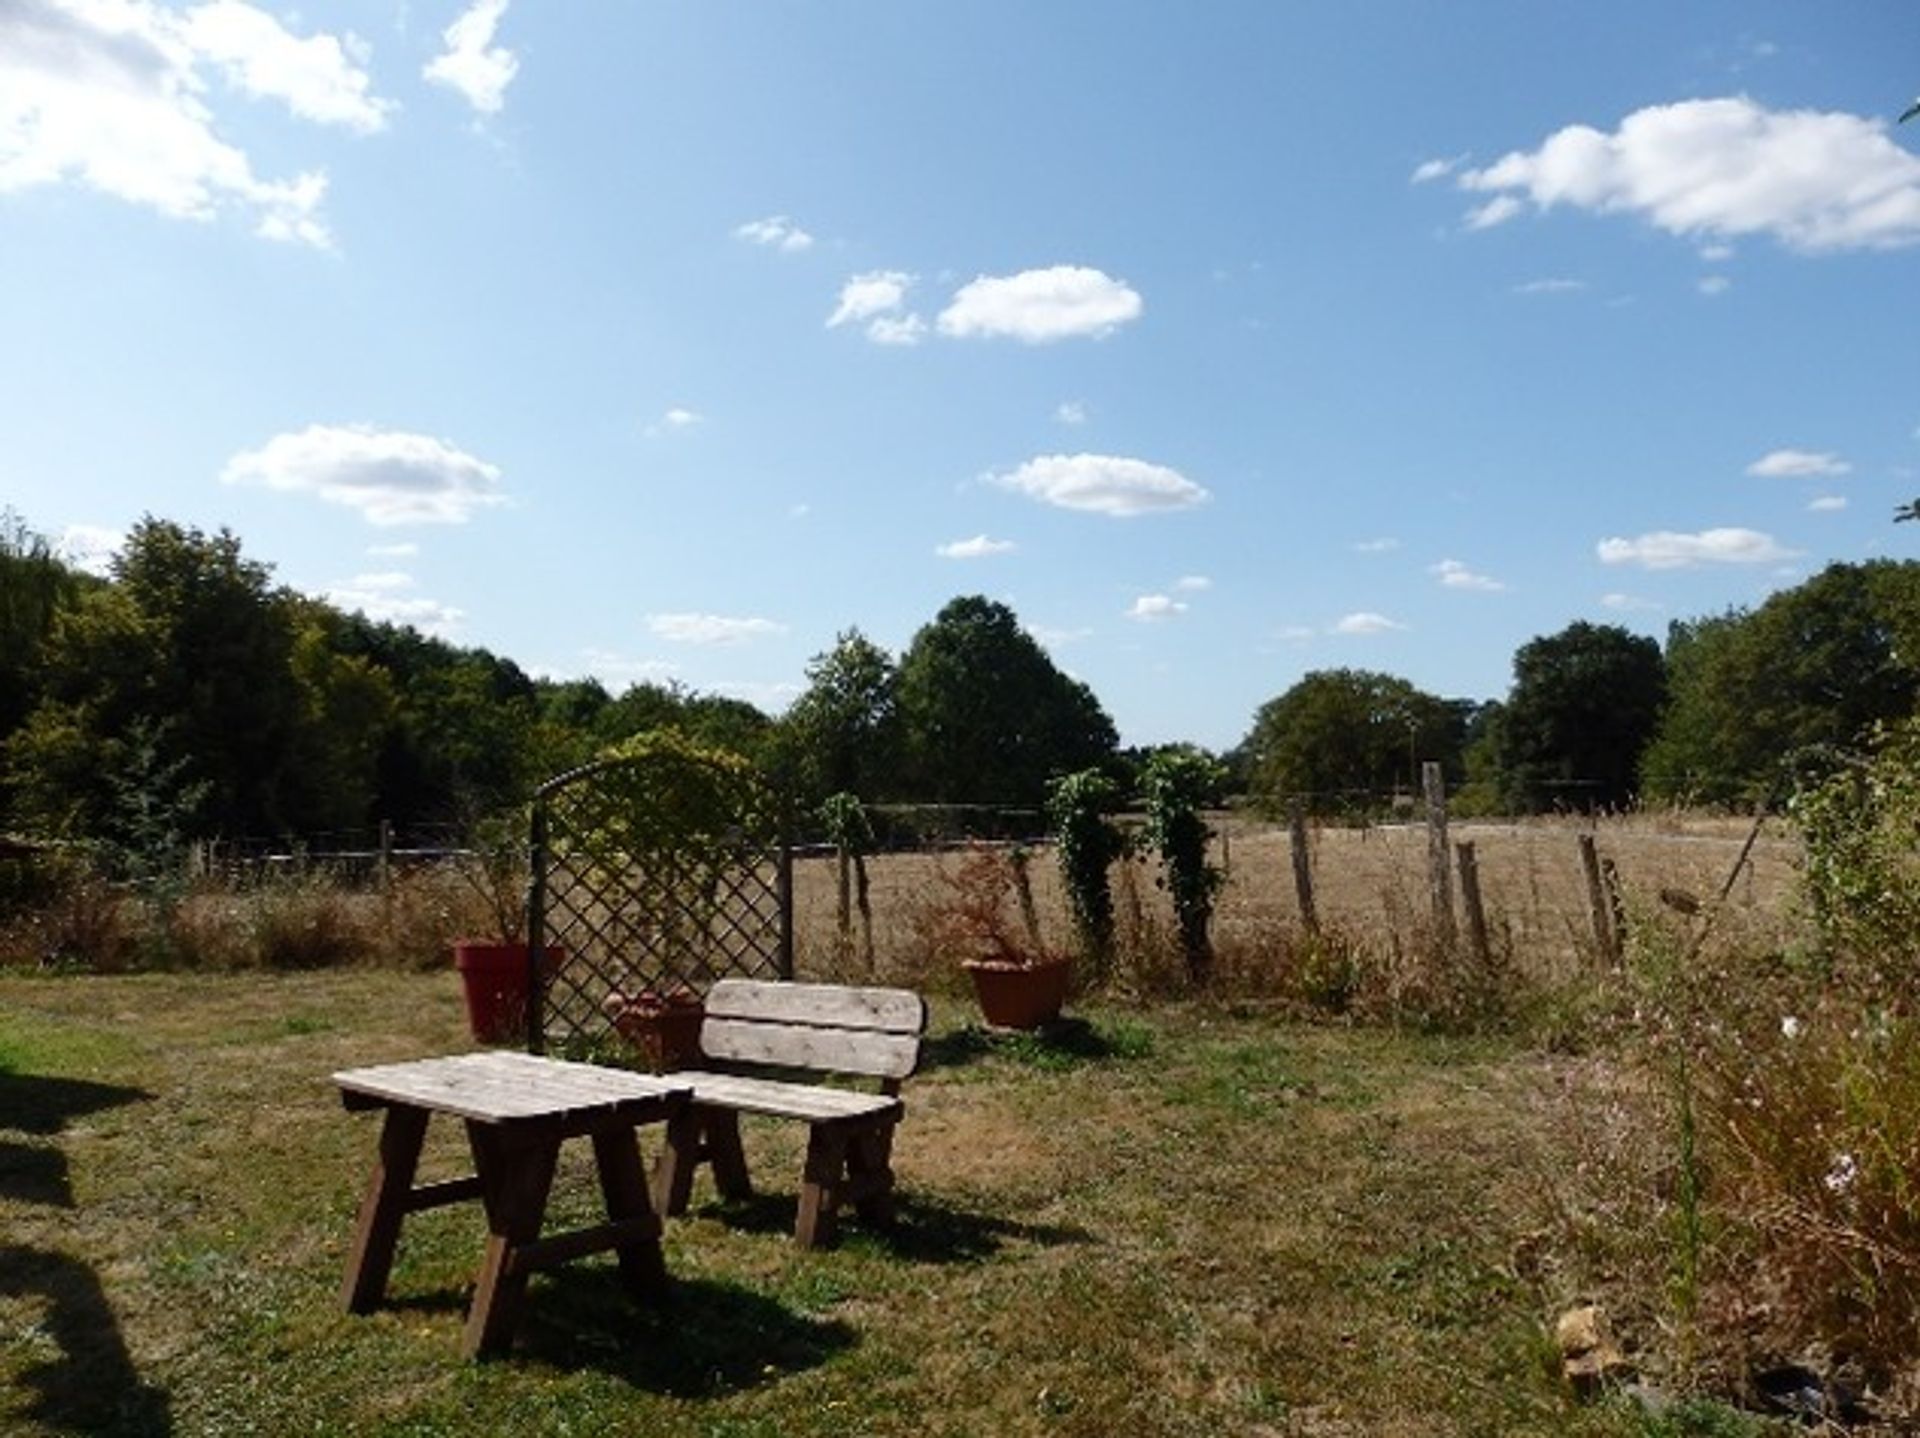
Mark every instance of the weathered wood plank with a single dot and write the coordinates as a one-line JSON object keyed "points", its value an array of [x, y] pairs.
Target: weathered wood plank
{"points": [[807, 1102], [895, 1011], [846, 1051], [498, 1087]]}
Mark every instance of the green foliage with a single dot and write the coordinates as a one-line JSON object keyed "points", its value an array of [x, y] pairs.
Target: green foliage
{"points": [[986, 716], [1813, 668], [843, 731], [34, 587], [1087, 842], [1175, 785], [844, 818], [1584, 705], [1862, 874], [1340, 739]]}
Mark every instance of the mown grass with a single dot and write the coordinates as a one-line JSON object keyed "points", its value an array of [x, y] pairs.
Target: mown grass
{"points": [[1168, 1221]]}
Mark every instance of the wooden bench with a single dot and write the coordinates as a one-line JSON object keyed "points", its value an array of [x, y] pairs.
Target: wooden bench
{"points": [[818, 1028]]}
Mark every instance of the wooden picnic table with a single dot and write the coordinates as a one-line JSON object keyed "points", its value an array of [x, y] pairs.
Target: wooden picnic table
{"points": [[518, 1108]]}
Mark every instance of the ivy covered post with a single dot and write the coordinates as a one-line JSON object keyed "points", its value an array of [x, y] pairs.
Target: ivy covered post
{"points": [[1087, 842], [1177, 784], [845, 820]]}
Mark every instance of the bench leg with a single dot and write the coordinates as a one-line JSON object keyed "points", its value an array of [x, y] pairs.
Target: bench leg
{"points": [[624, 1187], [383, 1209], [820, 1185], [870, 1173], [697, 1136], [516, 1175]]}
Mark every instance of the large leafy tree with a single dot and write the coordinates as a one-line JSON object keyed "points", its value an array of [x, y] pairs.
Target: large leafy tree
{"points": [[842, 734], [1585, 702], [986, 717], [1808, 672], [1342, 739]]}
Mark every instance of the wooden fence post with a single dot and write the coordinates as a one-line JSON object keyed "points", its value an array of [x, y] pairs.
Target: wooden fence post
{"points": [[1605, 935], [1439, 870], [1470, 901], [1302, 869], [385, 870]]}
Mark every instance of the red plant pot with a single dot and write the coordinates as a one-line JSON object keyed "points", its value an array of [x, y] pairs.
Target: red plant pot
{"points": [[668, 1035], [495, 977], [1020, 996]]}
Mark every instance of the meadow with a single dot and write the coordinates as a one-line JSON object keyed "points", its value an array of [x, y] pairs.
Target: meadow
{"points": [[1342, 1192]]}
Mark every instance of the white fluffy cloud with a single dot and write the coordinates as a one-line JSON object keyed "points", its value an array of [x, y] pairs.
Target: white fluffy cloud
{"points": [[1193, 582], [1366, 622], [108, 94], [406, 549], [390, 476], [1429, 170], [711, 628], [1455, 575], [472, 64], [1799, 464], [321, 78], [90, 548], [1712, 285], [383, 597], [1038, 306], [1383, 545], [676, 419], [1628, 602], [979, 547], [896, 329], [1102, 484], [877, 292], [776, 232], [1716, 170], [1827, 503], [1149, 607], [1070, 411], [1664, 549], [1551, 286]]}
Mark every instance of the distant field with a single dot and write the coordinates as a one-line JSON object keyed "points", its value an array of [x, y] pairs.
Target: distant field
{"points": [[1372, 883]]}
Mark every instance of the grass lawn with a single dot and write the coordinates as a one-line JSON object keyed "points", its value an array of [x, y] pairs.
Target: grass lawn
{"points": [[1179, 1221]]}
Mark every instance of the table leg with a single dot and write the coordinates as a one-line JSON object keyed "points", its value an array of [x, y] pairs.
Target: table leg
{"points": [[383, 1208], [623, 1184], [516, 1175]]}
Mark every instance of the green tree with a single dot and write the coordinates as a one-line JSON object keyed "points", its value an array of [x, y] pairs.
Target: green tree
{"points": [[986, 717], [1584, 705], [1811, 670], [190, 642], [842, 733], [1341, 739]]}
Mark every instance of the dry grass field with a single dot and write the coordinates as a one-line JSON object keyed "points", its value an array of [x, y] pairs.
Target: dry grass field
{"points": [[1370, 884]]}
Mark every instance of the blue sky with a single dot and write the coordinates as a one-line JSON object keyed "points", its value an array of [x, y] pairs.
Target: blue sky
{"points": [[1223, 342]]}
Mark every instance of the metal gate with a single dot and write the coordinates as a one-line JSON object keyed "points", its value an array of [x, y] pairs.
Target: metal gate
{"points": [[655, 872]]}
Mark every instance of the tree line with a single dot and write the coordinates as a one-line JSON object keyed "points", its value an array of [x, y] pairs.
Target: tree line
{"points": [[186, 695]]}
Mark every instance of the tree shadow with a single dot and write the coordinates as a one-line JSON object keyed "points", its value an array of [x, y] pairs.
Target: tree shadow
{"points": [[1065, 1043], [922, 1230], [34, 1173], [92, 1387], [35, 1103], [700, 1339]]}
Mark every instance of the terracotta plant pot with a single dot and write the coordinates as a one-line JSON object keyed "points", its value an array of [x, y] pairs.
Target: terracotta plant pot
{"points": [[495, 977], [667, 1032], [1020, 996]]}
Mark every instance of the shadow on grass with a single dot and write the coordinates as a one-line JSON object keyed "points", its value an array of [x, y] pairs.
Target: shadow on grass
{"points": [[701, 1339], [923, 1230], [1066, 1043], [92, 1387], [33, 1103]]}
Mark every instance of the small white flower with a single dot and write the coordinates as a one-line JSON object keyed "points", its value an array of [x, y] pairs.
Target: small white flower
{"points": [[1841, 1176], [1790, 1026]]}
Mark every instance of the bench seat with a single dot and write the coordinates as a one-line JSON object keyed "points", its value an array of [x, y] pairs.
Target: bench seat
{"points": [[809, 1103]]}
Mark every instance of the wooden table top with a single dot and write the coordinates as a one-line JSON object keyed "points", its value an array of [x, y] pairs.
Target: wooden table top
{"points": [[501, 1086]]}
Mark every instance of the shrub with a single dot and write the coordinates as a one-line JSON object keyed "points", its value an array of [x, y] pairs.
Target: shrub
{"points": [[1175, 784], [1087, 842]]}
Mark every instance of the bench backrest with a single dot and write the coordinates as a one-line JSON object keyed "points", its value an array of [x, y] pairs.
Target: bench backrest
{"points": [[829, 1028]]}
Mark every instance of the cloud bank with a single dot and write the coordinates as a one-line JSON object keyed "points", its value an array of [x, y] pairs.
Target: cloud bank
{"points": [[390, 476], [1102, 484]]}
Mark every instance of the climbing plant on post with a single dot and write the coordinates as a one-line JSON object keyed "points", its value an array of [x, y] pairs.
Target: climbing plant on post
{"points": [[1087, 841], [1175, 784], [845, 820]]}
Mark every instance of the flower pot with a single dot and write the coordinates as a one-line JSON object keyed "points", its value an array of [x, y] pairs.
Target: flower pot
{"points": [[667, 1034], [1020, 996], [495, 977]]}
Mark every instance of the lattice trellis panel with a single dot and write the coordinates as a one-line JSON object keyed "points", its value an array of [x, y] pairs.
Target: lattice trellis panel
{"points": [[653, 873]]}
